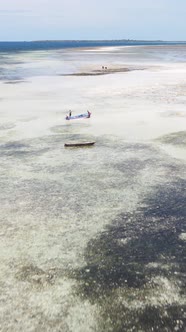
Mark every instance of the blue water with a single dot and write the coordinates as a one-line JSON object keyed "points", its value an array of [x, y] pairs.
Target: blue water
{"points": [[47, 45], [23, 60]]}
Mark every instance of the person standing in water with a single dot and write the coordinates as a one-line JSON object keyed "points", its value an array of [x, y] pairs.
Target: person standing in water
{"points": [[88, 114], [70, 113]]}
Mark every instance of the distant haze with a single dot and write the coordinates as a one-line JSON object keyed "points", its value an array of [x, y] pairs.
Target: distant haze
{"points": [[82, 19]]}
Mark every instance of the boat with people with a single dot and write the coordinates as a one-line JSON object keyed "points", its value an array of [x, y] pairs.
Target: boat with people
{"points": [[78, 116]]}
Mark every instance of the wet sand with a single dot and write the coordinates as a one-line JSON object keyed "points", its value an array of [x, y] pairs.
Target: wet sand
{"points": [[100, 72], [93, 239]]}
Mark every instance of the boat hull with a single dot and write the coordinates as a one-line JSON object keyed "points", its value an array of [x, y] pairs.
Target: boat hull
{"points": [[79, 116], [82, 144]]}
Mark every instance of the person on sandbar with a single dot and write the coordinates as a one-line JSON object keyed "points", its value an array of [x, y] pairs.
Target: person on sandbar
{"points": [[70, 113], [88, 114]]}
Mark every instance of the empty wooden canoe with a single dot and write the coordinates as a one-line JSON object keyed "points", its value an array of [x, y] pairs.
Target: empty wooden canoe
{"points": [[78, 144]]}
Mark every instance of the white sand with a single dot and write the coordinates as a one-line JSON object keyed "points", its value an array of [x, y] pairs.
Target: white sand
{"points": [[136, 106]]}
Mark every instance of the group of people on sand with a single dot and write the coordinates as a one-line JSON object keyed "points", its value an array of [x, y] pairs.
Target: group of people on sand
{"points": [[70, 114]]}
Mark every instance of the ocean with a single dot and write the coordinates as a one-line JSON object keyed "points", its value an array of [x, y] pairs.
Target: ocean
{"points": [[21, 60], [93, 239], [48, 45]]}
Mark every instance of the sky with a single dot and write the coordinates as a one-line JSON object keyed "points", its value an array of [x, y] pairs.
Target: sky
{"points": [[92, 19]]}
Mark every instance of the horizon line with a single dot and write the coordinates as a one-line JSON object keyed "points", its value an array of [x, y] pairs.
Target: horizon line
{"points": [[89, 40]]}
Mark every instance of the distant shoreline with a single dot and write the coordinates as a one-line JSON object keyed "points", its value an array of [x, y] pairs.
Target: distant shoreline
{"points": [[97, 40]]}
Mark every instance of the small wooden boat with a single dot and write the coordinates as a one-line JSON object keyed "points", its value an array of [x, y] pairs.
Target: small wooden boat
{"points": [[71, 144], [79, 116]]}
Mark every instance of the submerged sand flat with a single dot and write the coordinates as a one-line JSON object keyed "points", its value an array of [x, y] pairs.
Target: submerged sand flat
{"points": [[93, 239]]}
